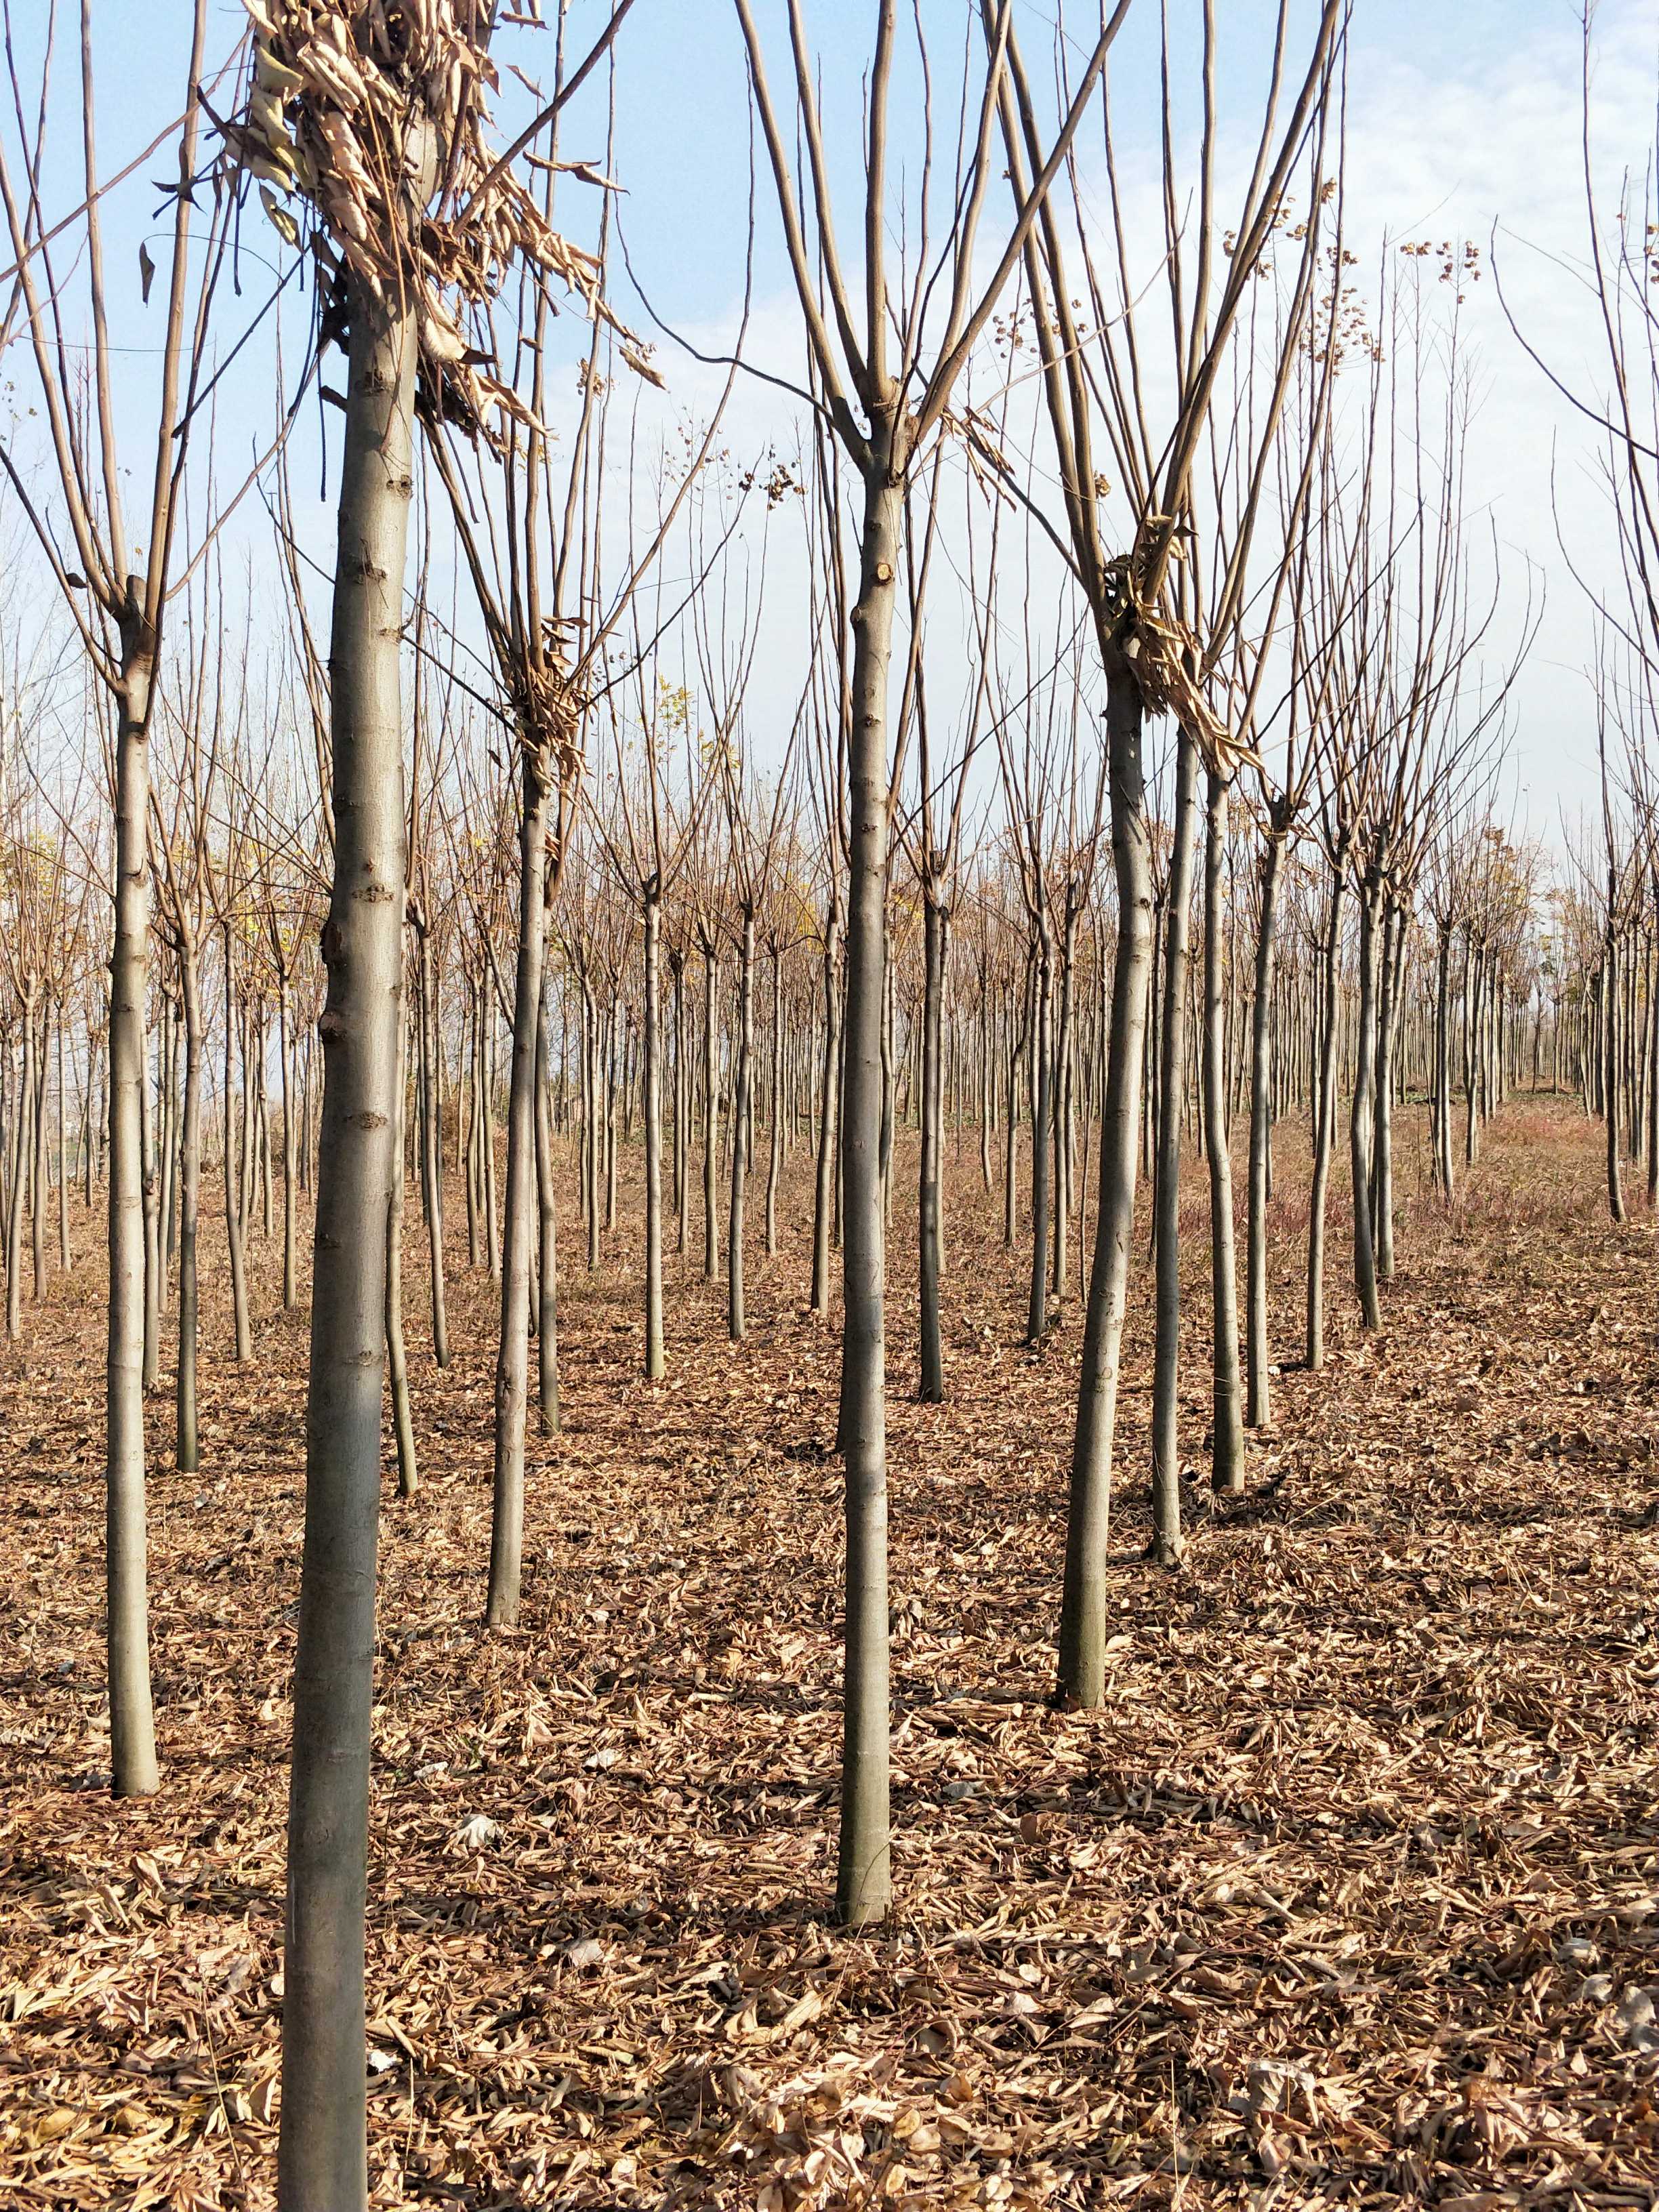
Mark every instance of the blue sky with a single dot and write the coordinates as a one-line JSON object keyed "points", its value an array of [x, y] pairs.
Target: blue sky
{"points": [[1461, 117]]}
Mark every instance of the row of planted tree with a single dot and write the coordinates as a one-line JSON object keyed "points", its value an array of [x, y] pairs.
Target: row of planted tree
{"points": [[702, 1032], [1138, 780]]}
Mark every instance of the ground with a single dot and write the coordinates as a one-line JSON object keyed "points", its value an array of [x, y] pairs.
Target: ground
{"points": [[1347, 1894]]}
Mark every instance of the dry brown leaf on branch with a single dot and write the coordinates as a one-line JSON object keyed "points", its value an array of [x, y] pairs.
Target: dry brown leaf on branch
{"points": [[349, 103]]}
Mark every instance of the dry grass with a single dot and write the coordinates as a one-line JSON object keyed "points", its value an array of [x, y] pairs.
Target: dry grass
{"points": [[1349, 1892]]}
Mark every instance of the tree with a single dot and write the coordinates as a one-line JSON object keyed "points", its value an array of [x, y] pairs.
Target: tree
{"points": [[1095, 384], [882, 410], [117, 600], [401, 197]]}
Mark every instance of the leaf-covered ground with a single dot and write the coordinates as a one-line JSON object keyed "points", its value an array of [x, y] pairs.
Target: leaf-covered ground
{"points": [[1351, 1892]]}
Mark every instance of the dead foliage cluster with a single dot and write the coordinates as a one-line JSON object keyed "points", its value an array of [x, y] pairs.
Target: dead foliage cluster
{"points": [[345, 109]]}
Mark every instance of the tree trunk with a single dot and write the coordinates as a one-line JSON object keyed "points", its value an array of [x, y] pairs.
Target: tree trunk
{"points": [[742, 1133], [24, 1119], [929, 1248], [1083, 1610], [290, 1237], [1394, 935], [1227, 1397], [864, 1881], [322, 2153], [1167, 1544], [190, 1208], [682, 1105], [432, 1139], [774, 1163], [1324, 1122], [1064, 1114], [1444, 1173], [824, 1184], [1610, 1029], [655, 1362], [133, 1772], [63, 1156], [1259, 1408], [37, 1179], [1360, 1117], [233, 1192], [513, 1355], [403, 1418], [171, 1023], [487, 1133], [547, 1324], [1042, 1096], [711, 1252], [152, 1211]]}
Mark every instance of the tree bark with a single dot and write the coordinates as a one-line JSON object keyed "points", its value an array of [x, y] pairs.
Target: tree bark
{"points": [[930, 1242], [1083, 1609], [1167, 1544], [24, 1119], [513, 1356], [322, 2153], [233, 1190], [190, 1207], [774, 1159], [1361, 1113], [403, 1418], [547, 1328], [825, 1181], [711, 1253], [1227, 1397], [864, 1881], [290, 1239], [1324, 1122], [152, 1215], [1387, 1016], [431, 1138], [1258, 1408], [655, 1361], [133, 1772], [742, 1133], [1042, 1108], [1610, 1028]]}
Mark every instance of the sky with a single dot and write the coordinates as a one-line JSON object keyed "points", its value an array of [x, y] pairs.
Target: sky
{"points": [[1463, 123]]}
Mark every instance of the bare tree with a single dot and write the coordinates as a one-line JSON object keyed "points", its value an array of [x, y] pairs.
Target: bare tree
{"points": [[117, 595], [882, 407], [1096, 383]]}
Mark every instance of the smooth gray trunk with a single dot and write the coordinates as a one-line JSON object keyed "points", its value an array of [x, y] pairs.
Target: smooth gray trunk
{"points": [[1167, 1544], [547, 1320], [403, 1418], [825, 1181], [655, 1360], [1259, 1407], [133, 1770], [1361, 1114], [1324, 1122], [432, 1158], [232, 1192], [1083, 1623], [1043, 1101], [322, 2158], [864, 1879], [742, 1133], [929, 1231], [1227, 1395], [513, 1355], [190, 1211]]}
